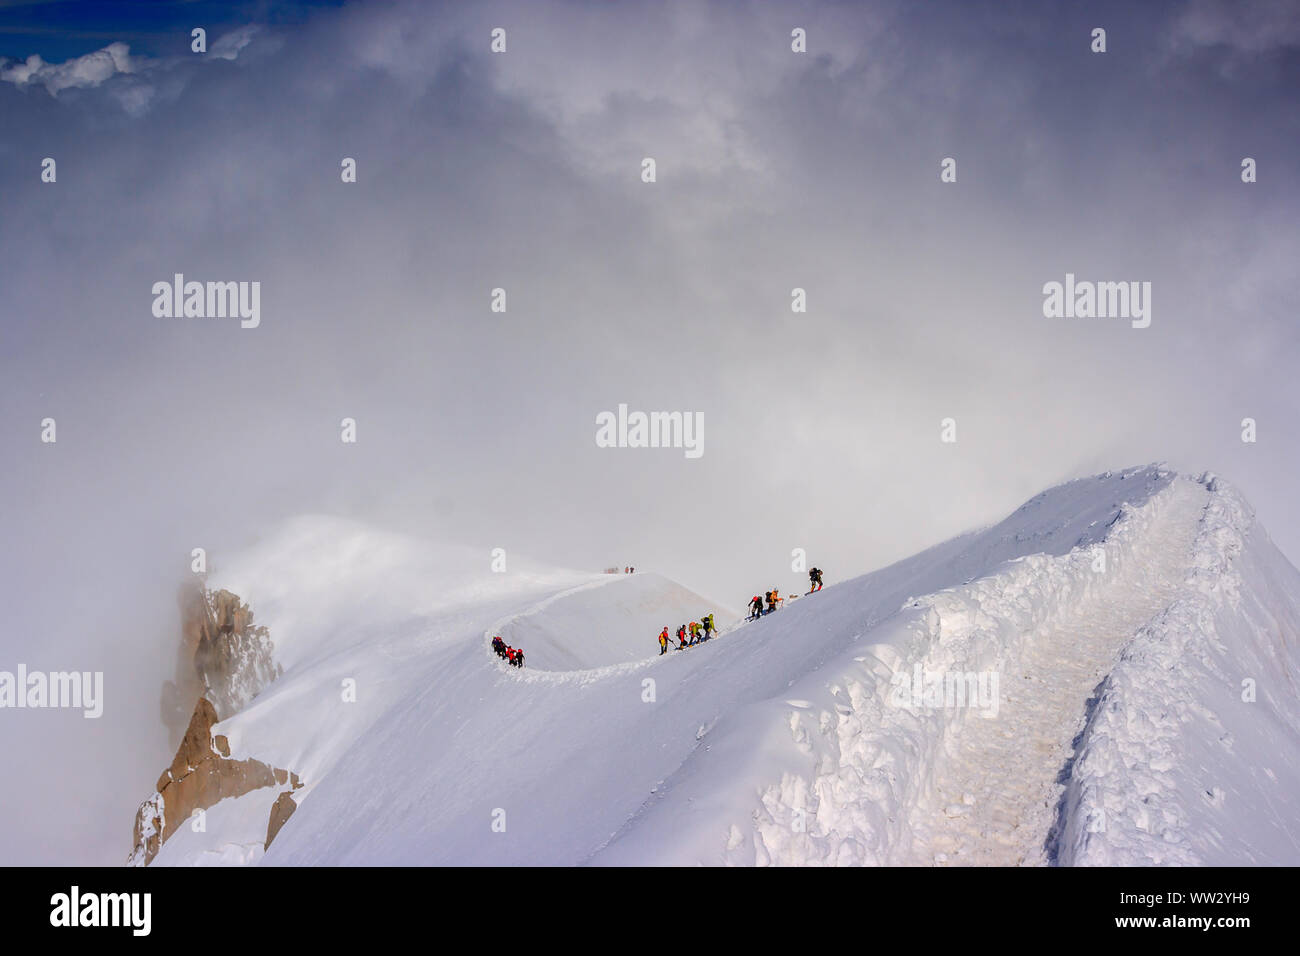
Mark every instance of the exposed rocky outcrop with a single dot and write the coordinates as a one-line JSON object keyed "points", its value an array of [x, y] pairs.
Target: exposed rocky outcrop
{"points": [[280, 812], [223, 657], [223, 662], [201, 774]]}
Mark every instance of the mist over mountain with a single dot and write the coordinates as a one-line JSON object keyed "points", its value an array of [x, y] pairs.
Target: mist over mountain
{"points": [[381, 267]]}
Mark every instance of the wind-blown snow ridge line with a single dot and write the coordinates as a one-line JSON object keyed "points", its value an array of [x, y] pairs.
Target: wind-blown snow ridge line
{"points": [[870, 761], [1128, 801]]}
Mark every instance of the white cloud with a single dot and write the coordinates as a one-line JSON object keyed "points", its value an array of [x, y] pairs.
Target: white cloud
{"points": [[114, 62], [89, 70], [227, 47]]}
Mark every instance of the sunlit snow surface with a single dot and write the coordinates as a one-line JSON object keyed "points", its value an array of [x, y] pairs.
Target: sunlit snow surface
{"points": [[1121, 734]]}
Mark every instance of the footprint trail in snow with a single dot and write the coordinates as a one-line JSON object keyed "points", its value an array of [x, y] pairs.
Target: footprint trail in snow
{"points": [[996, 791]]}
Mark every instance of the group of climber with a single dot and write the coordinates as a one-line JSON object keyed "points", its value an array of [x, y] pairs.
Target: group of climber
{"points": [[513, 656], [688, 635], [756, 608], [697, 631], [771, 600]]}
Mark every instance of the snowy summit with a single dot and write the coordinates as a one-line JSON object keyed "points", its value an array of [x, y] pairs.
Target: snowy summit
{"points": [[1104, 677]]}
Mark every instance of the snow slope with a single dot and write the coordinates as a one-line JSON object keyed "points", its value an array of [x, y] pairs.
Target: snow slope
{"points": [[233, 833], [1115, 617], [365, 620], [1190, 755], [595, 624]]}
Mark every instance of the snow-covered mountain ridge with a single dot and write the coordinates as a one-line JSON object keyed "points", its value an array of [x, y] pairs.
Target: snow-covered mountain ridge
{"points": [[1126, 645]]}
